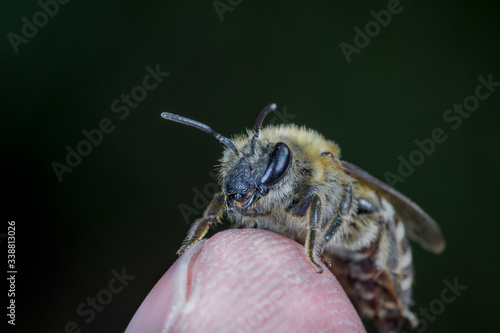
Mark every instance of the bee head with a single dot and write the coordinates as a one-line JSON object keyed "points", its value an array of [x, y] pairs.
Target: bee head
{"points": [[253, 172], [262, 165], [254, 175]]}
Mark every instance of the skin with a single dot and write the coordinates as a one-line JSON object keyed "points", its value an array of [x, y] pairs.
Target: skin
{"points": [[246, 280]]}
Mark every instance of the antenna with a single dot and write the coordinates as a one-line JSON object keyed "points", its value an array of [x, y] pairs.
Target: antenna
{"points": [[258, 124], [200, 126]]}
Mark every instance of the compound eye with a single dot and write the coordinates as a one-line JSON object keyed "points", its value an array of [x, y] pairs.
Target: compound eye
{"points": [[277, 166], [238, 197]]}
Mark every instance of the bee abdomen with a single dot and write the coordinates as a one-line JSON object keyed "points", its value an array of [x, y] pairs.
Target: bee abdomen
{"points": [[379, 294]]}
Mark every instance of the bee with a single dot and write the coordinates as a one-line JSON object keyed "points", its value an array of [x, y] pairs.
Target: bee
{"points": [[291, 180]]}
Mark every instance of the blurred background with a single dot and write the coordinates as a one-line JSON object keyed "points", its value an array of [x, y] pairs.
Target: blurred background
{"points": [[123, 207]]}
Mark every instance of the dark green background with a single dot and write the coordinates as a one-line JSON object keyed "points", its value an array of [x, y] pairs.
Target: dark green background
{"points": [[119, 207]]}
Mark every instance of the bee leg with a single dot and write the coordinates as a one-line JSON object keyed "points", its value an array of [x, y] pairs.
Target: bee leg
{"points": [[313, 231], [326, 261], [344, 210], [200, 227]]}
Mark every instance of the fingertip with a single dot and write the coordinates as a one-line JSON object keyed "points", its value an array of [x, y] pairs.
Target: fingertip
{"points": [[247, 280], [164, 303]]}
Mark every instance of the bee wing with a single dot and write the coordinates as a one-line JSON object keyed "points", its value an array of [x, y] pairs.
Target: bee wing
{"points": [[420, 226]]}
